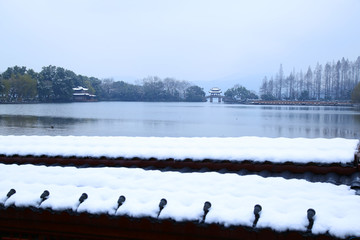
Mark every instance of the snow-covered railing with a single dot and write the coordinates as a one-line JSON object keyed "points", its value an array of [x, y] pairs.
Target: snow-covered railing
{"points": [[225, 199], [258, 149]]}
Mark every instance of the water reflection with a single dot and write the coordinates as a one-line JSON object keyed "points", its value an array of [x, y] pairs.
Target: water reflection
{"points": [[310, 132], [19, 124], [178, 120], [38, 121], [312, 122], [43, 125], [307, 108]]}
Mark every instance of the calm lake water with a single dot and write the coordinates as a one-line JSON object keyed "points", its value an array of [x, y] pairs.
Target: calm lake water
{"points": [[178, 120]]}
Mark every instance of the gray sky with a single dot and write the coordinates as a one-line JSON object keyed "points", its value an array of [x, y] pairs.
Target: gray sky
{"points": [[218, 42]]}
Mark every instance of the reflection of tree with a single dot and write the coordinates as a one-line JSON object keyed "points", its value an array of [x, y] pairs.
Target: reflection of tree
{"points": [[357, 117], [313, 122], [39, 122]]}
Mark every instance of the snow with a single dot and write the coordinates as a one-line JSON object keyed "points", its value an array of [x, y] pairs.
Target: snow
{"points": [[79, 88], [277, 150], [233, 197]]}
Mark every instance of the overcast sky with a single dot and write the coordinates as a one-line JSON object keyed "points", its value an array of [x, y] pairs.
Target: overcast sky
{"points": [[195, 40]]}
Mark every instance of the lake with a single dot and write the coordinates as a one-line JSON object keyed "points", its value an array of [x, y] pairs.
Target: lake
{"points": [[178, 120]]}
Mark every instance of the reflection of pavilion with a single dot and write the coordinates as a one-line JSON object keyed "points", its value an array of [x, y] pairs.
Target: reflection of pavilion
{"points": [[215, 92]]}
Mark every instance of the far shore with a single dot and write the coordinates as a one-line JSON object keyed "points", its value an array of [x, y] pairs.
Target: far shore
{"points": [[302, 103], [248, 102]]}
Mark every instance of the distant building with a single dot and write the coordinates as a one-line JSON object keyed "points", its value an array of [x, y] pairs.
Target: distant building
{"points": [[215, 92], [80, 94]]}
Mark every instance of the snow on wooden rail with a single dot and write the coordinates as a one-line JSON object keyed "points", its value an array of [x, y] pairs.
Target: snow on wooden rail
{"points": [[213, 198], [259, 149], [232, 198]]}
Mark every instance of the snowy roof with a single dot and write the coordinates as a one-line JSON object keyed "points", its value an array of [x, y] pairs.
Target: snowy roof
{"points": [[260, 149], [79, 88], [215, 90], [232, 197], [81, 94]]}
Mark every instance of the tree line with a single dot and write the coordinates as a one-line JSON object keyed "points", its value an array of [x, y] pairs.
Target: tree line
{"points": [[55, 84], [331, 82], [239, 93], [152, 89]]}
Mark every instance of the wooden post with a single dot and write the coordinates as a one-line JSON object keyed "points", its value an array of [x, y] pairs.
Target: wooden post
{"points": [[356, 160]]}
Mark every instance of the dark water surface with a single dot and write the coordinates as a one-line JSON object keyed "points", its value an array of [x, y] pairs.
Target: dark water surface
{"points": [[178, 120]]}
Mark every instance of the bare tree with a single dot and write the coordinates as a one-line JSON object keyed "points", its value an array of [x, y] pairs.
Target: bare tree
{"points": [[308, 78], [335, 81], [327, 80]]}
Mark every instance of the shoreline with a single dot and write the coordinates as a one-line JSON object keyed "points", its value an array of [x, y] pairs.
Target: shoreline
{"points": [[253, 102], [298, 103]]}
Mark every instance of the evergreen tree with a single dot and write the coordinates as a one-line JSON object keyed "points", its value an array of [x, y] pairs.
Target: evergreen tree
{"points": [[355, 95], [195, 94], [239, 93]]}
